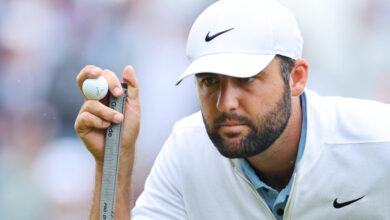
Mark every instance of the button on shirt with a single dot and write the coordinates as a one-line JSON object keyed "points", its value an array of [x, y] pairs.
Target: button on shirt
{"points": [[275, 200]]}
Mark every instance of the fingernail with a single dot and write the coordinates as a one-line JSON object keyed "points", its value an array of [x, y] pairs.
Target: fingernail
{"points": [[118, 118], [117, 91]]}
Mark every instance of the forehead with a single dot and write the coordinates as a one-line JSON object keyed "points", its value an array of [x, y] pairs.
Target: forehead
{"points": [[273, 66], [218, 75]]}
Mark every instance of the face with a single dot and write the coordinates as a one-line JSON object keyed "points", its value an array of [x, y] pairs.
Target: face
{"points": [[244, 116]]}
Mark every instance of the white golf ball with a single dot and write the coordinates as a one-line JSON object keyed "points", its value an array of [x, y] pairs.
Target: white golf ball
{"points": [[95, 89]]}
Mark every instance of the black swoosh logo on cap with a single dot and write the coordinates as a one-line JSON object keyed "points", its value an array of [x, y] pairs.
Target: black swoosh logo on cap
{"points": [[340, 205], [210, 38]]}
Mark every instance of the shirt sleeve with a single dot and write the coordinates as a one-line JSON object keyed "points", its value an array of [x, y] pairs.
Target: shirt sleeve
{"points": [[162, 197]]}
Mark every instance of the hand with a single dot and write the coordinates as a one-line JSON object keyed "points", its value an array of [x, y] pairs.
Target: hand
{"points": [[95, 116]]}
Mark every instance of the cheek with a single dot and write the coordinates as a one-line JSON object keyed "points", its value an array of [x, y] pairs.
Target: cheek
{"points": [[206, 98], [208, 107], [261, 100]]}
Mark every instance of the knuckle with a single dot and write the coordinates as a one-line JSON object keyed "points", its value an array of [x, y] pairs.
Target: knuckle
{"points": [[89, 105], [76, 126], [88, 67], [84, 107], [81, 121], [106, 72], [85, 117], [84, 71], [110, 75]]}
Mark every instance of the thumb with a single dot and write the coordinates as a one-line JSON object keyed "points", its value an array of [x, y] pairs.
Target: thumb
{"points": [[132, 83], [133, 106]]}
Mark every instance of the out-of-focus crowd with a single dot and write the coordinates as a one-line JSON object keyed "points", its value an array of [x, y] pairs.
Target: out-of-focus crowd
{"points": [[45, 171]]}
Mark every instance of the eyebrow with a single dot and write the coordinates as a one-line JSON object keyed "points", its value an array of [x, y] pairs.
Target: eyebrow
{"points": [[203, 74]]}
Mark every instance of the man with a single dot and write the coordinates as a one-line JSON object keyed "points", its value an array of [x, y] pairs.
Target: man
{"points": [[263, 146]]}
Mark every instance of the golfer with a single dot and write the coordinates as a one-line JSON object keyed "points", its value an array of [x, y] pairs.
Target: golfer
{"points": [[263, 146]]}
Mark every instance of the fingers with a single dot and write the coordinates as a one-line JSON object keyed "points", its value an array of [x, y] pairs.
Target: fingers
{"points": [[85, 121], [114, 85], [89, 71], [95, 115], [92, 71], [101, 111]]}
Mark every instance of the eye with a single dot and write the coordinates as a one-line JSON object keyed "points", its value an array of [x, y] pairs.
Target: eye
{"points": [[209, 81], [247, 79]]}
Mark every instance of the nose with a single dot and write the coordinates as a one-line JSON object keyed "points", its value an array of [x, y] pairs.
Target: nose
{"points": [[228, 97]]}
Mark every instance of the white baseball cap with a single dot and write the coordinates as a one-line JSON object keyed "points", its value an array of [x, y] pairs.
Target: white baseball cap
{"points": [[240, 38]]}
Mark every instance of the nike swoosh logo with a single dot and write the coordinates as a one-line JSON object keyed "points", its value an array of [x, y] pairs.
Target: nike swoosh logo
{"points": [[340, 205], [210, 38]]}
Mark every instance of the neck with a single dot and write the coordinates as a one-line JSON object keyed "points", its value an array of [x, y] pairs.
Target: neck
{"points": [[275, 166]]}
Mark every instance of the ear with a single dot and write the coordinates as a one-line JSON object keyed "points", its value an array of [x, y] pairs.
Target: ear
{"points": [[298, 77]]}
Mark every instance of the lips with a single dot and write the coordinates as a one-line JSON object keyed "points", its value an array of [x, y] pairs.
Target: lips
{"points": [[232, 127], [231, 124]]}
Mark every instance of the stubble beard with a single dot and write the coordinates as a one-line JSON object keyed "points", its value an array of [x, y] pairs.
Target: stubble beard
{"points": [[263, 132]]}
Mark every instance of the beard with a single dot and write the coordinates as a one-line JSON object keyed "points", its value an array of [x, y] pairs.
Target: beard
{"points": [[264, 131]]}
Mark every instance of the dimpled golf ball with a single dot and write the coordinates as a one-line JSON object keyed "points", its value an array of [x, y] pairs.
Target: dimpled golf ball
{"points": [[95, 89]]}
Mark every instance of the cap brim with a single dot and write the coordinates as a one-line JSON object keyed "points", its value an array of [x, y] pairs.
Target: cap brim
{"points": [[235, 65]]}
